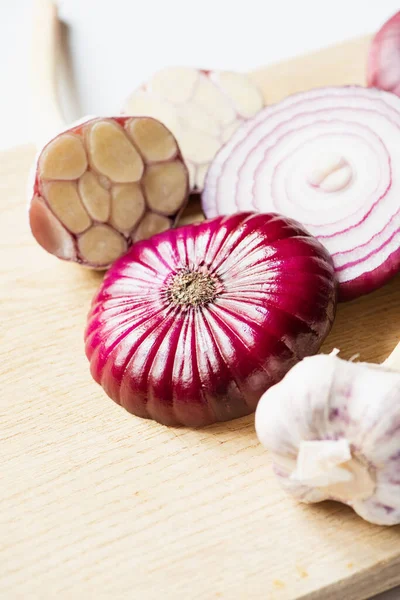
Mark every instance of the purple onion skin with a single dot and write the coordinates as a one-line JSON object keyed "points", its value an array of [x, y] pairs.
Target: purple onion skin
{"points": [[383, 65], [274, 300], [371, 281]]}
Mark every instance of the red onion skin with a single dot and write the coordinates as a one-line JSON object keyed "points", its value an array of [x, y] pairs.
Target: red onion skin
{"points": [[196, 365], [369, 282], [383, 65]]}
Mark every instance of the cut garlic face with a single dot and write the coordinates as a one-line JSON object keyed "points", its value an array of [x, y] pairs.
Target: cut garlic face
{"points": [[333, 429], [104, 184], [201, 108]]}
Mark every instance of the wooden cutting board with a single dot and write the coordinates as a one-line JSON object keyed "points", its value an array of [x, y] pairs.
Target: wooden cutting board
{"points": [[98, 504]]}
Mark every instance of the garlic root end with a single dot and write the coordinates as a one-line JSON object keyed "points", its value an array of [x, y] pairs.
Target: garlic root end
{"points": [[319, 463], [331, 466]]}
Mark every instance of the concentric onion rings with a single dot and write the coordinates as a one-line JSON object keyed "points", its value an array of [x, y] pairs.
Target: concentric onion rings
{"points": [[329, 158]]}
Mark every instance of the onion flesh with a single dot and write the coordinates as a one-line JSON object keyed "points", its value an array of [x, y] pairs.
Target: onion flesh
{"points": [[201, 108], [192, 326], [383, 65], [329, 158], [103, 184]]}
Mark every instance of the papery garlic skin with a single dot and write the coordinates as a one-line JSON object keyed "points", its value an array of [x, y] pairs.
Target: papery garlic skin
{"points": [[323, 408]]}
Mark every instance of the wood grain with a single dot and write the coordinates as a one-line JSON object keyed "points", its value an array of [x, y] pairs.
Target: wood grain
{"points": [[336, 65], [98, 504]]}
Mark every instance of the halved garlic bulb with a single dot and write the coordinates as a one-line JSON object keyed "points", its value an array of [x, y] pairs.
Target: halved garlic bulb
{"points": [[104, 184], [201, 108]]}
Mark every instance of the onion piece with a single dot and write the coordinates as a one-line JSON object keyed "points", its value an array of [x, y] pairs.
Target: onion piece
{"points": [[102, 185], [192, 326], [201, 108], [383, 65], [329, 158]]}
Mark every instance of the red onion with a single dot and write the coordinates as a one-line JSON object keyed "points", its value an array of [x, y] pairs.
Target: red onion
{"points": [[383, 66], [329, 158], [103, 184], [192, 326], [201, 108]]}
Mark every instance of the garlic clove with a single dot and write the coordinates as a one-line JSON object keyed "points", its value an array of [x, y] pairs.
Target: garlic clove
{"points": [[112, 154]]}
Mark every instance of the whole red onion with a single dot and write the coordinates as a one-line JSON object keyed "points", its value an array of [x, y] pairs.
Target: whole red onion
{"points": [[192, 326], [383, 66]]}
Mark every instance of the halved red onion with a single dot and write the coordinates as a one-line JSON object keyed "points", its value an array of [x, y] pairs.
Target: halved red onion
{"points": [[201, 108], [329, 158], [192, 326], [383, 66], [103, 184]]}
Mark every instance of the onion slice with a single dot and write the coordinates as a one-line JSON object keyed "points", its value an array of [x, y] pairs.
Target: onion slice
{"points": [[103, 184], [329, 158], [383, 65], [201, 108], [192, 326]]}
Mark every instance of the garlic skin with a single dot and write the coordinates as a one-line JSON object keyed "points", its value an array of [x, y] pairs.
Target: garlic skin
{"points": [[333, 428]]}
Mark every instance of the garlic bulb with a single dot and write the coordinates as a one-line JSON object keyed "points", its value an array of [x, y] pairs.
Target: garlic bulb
{"points": [[102, 185], [333, 428]]}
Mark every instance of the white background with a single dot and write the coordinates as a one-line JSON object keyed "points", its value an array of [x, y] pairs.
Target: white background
{"points": [[116, 44]]}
